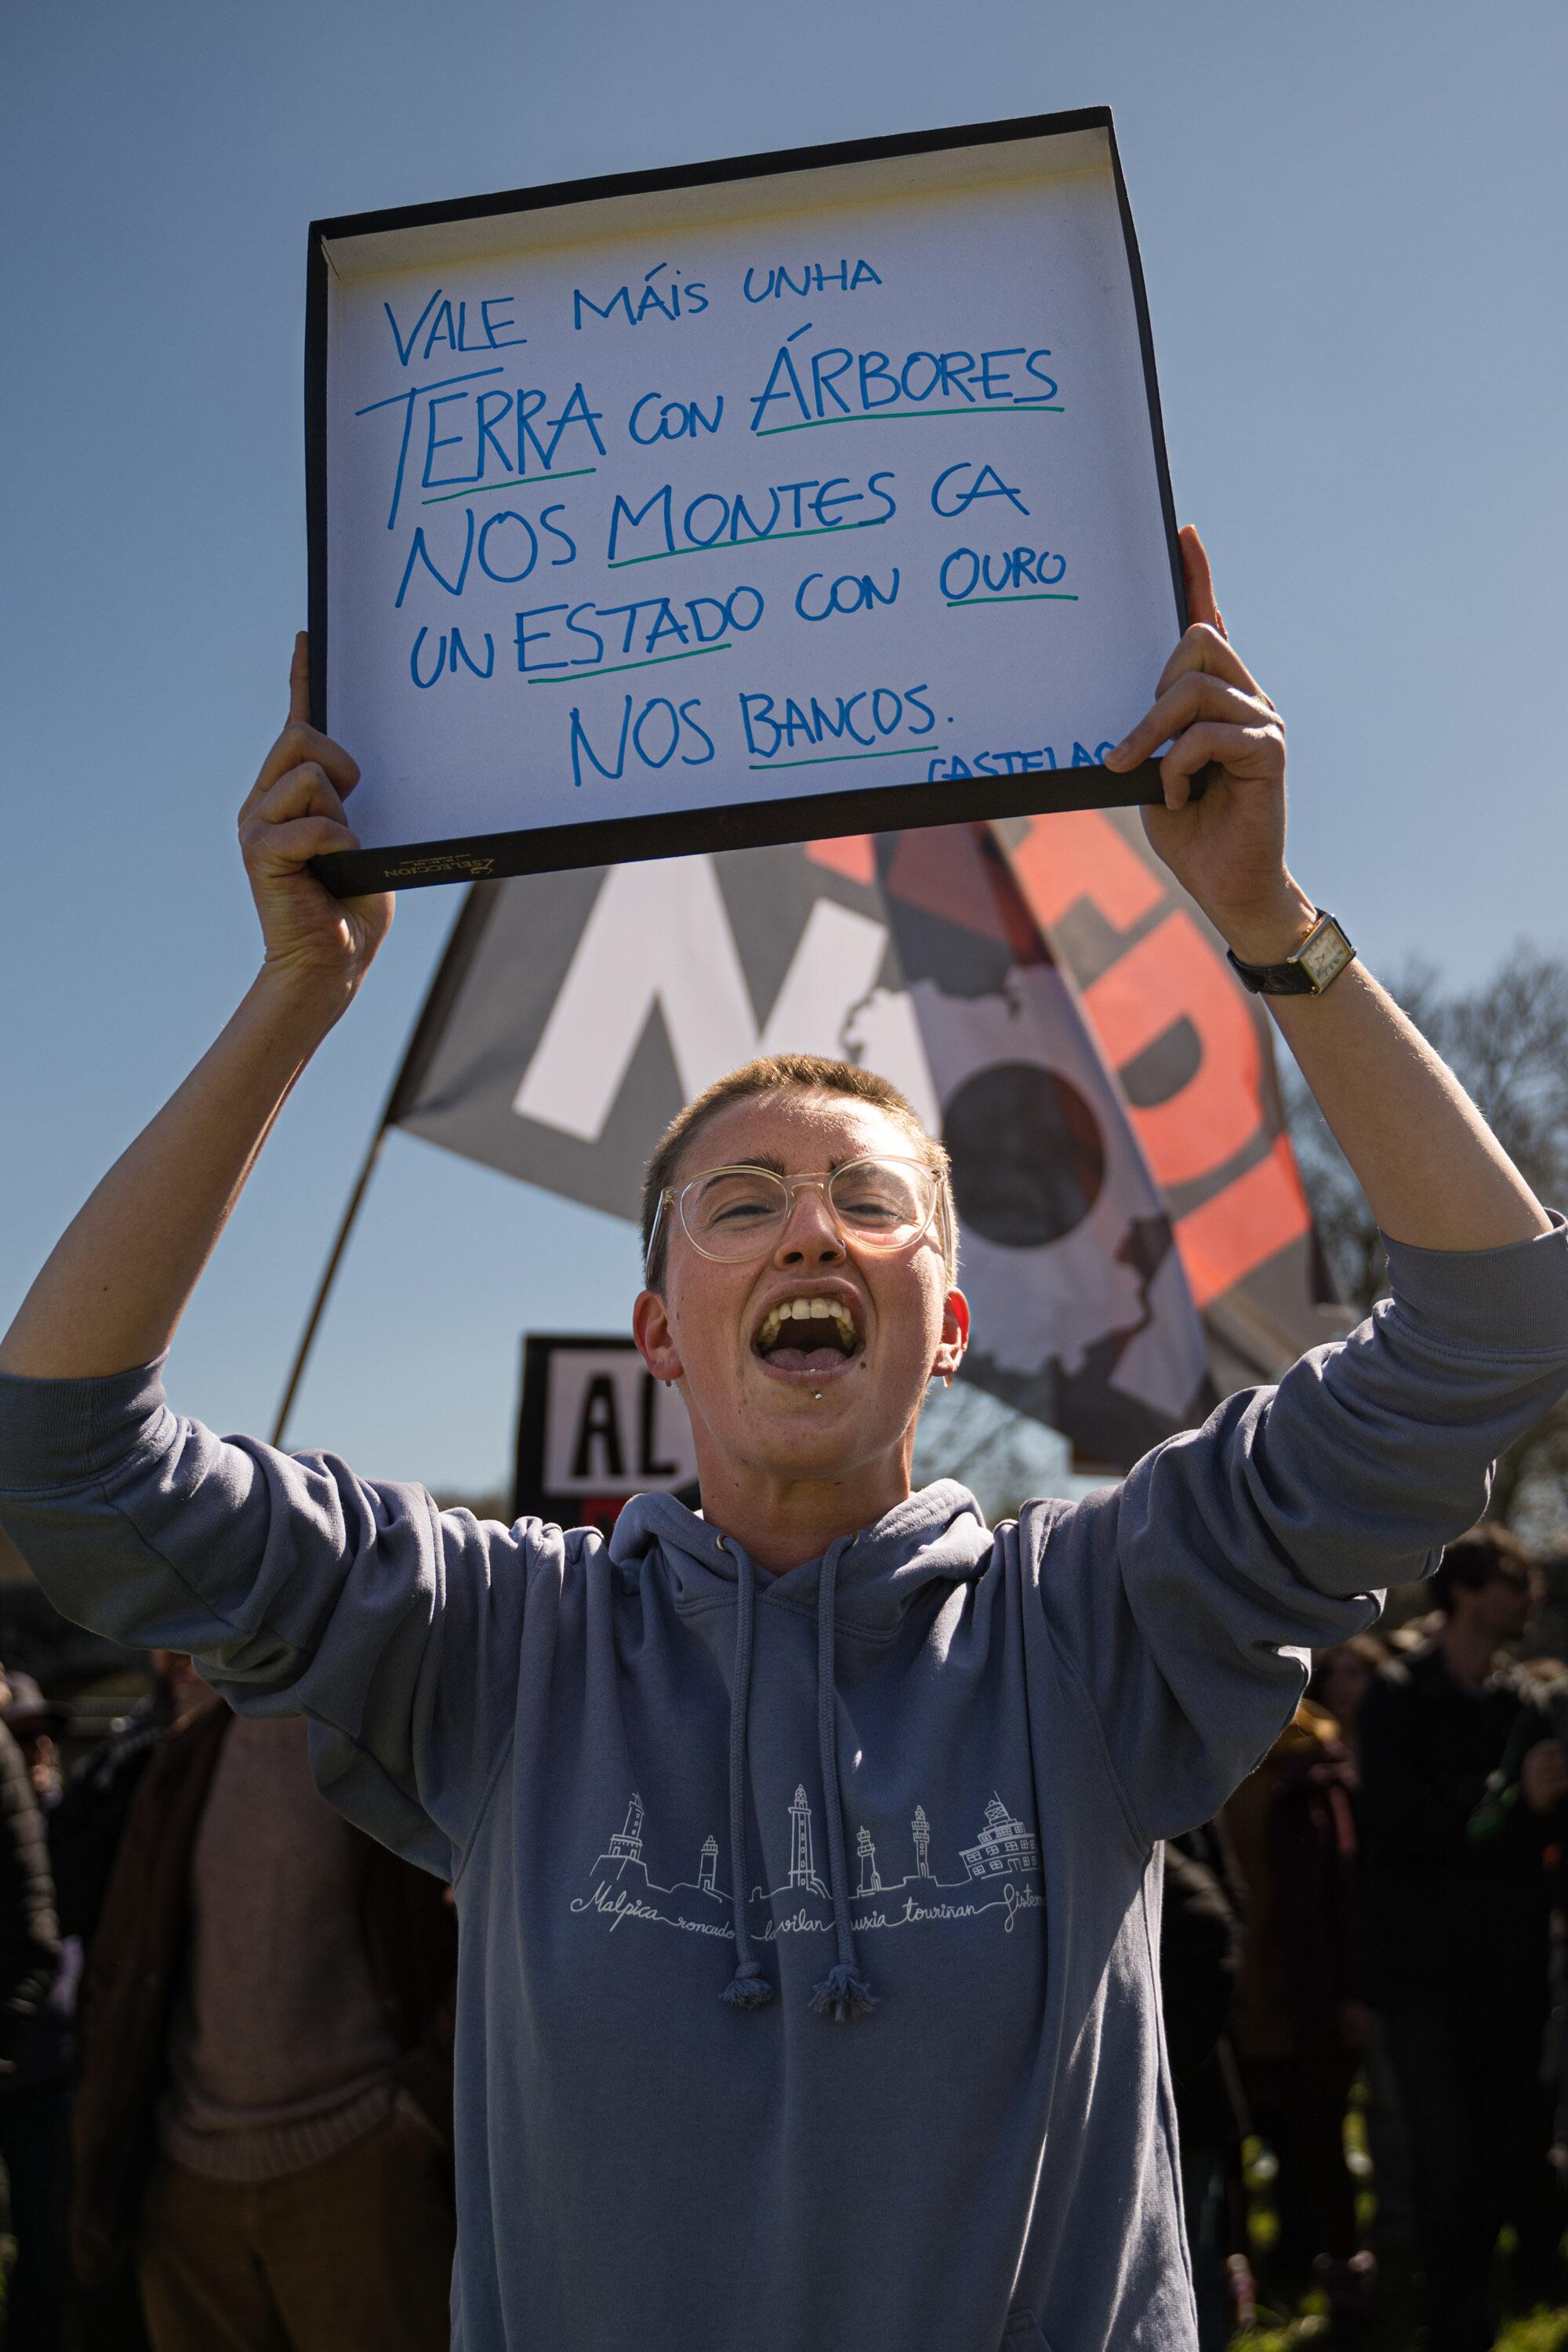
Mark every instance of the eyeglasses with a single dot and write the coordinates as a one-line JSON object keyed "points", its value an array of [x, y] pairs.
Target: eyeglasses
{"points": [[734, 1213]]}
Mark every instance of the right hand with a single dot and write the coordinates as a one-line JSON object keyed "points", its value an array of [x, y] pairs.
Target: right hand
{"points": [[1543, 1776], [294, 812]]}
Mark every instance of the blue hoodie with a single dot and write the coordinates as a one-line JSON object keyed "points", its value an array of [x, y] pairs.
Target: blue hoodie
{"points": [[810, 1924]]}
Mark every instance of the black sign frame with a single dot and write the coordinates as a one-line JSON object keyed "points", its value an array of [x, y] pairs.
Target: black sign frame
{"points": [[753, 824]]}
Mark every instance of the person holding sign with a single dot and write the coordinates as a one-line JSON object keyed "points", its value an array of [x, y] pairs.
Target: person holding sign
{"points": [[806, 1852]]}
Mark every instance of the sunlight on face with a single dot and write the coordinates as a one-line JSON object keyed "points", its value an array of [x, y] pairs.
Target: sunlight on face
{"points": [[813, 1395]]}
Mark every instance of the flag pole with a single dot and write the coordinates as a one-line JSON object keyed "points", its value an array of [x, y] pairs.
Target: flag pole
{"points": [[450, 973], [329, 1275]]}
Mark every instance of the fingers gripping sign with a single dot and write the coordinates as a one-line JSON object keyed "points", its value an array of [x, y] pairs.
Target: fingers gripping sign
{"points": [[1228, 846], [294, 813]]}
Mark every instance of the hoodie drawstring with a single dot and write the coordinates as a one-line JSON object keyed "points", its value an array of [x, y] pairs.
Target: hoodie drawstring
{"points": [[843, 1993], [748, 1988]]}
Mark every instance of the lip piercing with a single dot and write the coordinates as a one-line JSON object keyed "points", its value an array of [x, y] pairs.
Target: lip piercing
{"points": [[817, 1396]]}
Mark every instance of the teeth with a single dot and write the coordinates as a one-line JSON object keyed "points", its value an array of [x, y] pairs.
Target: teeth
{"points": [[805, 1310]]}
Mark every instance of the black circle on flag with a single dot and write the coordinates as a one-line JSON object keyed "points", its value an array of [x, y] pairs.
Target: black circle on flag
{"points": [[1028, 1156]]}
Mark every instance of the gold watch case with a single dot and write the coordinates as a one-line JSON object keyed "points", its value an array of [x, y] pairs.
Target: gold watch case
{"points": [[1323, 955]]}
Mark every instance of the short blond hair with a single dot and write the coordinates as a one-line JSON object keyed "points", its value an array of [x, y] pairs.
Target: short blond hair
{"points": [[773, 1074]]}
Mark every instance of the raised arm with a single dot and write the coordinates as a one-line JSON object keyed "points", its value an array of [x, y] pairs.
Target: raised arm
{"points": [[1432, 1170], [1187, 1599], [111, 1293]]}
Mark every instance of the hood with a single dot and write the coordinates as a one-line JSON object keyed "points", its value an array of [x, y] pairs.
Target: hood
{"points": [[866, 1580], [935, 1537]]}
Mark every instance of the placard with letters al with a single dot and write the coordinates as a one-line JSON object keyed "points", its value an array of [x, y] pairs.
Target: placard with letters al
{"points": [[594, 1428]]}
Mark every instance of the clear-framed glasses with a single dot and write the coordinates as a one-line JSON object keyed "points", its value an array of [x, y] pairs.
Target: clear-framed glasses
{"points": [[734, 1213]]}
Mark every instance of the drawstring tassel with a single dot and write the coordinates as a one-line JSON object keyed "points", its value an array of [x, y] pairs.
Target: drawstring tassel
{"points": [[748, 1988], [842, 1994]]}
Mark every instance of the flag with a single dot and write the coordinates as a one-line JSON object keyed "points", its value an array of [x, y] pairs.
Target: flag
{"points": [[1082, 1316], [1193, 1054], [575, 1013]]}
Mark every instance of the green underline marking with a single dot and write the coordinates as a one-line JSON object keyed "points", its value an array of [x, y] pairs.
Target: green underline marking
{"points": [[835, 758], [908, 416], [653, 662], [510, 482], [762, 538], [1040, 596]]}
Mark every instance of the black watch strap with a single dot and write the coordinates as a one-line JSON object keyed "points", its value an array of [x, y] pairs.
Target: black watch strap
{"points": [[1319, 960]]}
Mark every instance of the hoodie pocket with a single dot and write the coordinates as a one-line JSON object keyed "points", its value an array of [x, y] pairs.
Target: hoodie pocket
{"points": [[1021, 2335]]}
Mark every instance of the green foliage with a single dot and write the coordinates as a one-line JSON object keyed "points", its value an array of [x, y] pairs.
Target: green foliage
{"points": [[1295, 2336], [1538, 2331]]}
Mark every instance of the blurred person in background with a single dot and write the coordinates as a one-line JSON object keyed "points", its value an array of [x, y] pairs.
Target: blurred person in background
{"points": [[1341, 1679], [263, 2122], [1201, 1938], [1462, 1794], [1546, 1635], [37, 1725], [87, 1825], [29, 1933], [85, 1830], [1298, 2024], [35, 1977]]}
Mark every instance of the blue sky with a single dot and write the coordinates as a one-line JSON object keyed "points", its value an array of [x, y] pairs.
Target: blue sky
{"points": [[1352, 222]]}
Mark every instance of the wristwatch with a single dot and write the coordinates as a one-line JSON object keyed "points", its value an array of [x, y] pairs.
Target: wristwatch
{"points": [[1321, 957]]}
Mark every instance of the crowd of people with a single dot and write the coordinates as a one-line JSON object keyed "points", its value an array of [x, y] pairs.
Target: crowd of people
{"points": [[226, 2036], [1374, 1920], [226, 2017]]}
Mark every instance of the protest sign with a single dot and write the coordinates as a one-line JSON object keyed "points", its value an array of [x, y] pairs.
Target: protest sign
{"points": [[594, 1428], [625, 543]]}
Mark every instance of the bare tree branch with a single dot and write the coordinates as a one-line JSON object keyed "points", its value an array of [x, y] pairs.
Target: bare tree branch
{"points": [[1506, 1040]]}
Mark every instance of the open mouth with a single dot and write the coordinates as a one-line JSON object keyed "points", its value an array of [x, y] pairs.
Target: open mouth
{"points": [[807, 1334]]}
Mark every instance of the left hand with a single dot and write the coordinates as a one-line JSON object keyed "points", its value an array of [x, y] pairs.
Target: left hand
{"points": [[1228, 849]]}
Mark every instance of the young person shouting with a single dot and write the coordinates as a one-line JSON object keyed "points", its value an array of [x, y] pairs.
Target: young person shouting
{"points": [[806, 1851]]}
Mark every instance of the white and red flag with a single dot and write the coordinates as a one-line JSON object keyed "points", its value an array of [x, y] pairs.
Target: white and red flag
{"points": [[574, 1013]]}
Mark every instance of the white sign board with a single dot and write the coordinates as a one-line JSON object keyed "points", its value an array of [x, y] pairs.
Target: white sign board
{"points": [[811, 493]]}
